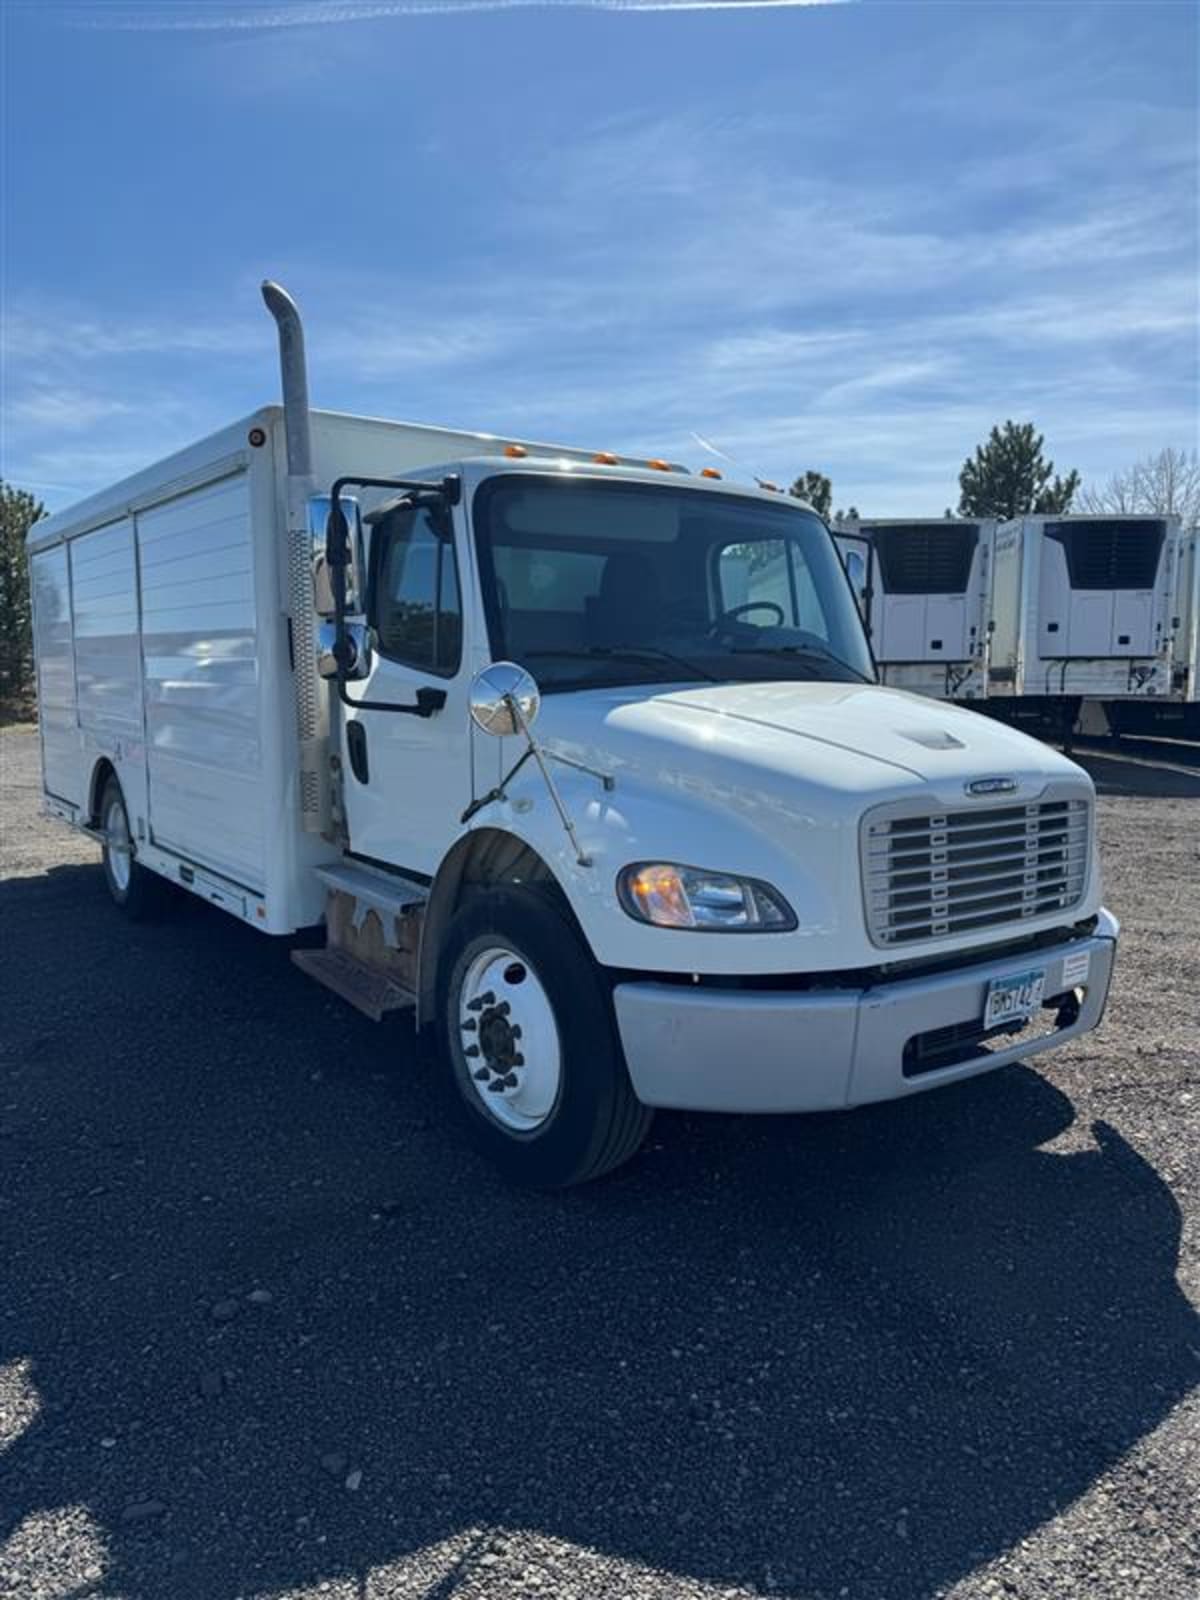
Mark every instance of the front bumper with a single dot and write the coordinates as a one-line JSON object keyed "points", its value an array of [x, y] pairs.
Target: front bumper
{"points": [[704, 1049]]}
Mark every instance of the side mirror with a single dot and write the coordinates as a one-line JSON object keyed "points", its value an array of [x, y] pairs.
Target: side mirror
{"points": [[353, 650], [319, 507], [504, 699], [493, 691]]}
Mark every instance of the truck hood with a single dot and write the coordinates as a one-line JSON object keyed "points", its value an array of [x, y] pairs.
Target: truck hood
{"points": [[768, 781], [846, 736]]}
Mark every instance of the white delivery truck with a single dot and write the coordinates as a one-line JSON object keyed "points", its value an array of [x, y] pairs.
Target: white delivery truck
{"points": [[924, 592], [581, 757], [1082, 611]]}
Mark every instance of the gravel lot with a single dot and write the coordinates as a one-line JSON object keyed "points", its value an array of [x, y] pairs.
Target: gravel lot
{"points": [[268, 1327]]}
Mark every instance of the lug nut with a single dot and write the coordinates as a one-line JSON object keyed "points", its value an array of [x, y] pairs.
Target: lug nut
{"points": [[496, 1086], [482, 1074], [515, 1030], [518, 1060], [471, 1050], [503, 1008], [470, 1025]]}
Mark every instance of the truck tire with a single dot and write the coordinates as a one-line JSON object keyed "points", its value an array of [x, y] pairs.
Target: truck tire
{"points": [[140, 893], [527, 1030]]}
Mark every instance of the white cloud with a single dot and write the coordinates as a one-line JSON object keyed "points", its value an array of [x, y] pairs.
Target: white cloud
{"points": [[63, 410], [192, 17], [39, 331]]}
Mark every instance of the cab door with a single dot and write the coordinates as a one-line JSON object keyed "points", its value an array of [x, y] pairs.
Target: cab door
{"points": [[406, 777], [855, 551]]}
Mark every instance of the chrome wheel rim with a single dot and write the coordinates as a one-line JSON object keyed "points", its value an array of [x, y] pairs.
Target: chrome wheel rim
{"points": [[509, 1039], [118, 847]]}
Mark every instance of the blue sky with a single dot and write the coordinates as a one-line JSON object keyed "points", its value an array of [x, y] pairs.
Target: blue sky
{"points": [[843, 236]]}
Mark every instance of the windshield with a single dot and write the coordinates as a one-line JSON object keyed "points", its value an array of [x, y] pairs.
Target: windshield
{"points": [[589, 583]]}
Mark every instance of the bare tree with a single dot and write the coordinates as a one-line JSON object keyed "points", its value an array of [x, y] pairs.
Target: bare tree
{"points": [[1166, 484]]}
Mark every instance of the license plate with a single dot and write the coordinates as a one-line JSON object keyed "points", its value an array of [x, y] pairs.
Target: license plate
{"points": [[1014, 999]]}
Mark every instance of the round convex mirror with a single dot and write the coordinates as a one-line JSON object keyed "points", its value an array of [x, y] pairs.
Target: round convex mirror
{"points": [[491, 690]]}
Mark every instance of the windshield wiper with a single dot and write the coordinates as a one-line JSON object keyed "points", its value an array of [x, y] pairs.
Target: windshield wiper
{"points": [[603, 652], [819, 651]]}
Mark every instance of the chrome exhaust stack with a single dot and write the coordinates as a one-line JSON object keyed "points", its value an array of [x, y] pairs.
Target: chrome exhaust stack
{"points": [[294, 372], [311, 713]]}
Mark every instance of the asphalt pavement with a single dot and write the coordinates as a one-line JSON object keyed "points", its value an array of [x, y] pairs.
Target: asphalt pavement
{"points": [[269, 1327]]}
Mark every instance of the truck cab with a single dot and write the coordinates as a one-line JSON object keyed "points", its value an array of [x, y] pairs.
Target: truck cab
{"points": [[778, 886]]}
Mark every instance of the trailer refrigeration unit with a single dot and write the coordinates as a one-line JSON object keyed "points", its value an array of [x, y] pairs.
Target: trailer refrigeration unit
{"points": [[581, 758], [1082, 611], [1175, 714], [925, 601]]}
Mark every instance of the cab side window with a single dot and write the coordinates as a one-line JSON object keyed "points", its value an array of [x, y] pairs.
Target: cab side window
{"points": [[773, 576], [416, 606]]}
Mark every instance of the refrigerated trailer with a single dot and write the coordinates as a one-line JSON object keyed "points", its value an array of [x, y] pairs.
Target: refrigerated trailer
{"points": [[1185, 621], [924, 592], [1175, 714], [1082, 610], [579, 757]]}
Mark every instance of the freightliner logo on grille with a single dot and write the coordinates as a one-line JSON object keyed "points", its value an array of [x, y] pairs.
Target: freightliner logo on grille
{"points": [[990, 786]]}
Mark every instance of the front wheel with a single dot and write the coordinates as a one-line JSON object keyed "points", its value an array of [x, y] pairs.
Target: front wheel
{"points": [[528, 1033]]}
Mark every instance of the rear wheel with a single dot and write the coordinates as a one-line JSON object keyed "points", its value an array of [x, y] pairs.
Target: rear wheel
{"points": [[528, 1033], [139, 892]]}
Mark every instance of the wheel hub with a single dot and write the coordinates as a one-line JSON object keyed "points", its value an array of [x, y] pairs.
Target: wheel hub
{"points": [[118, 845], [510, 1039], [498, 1038]]}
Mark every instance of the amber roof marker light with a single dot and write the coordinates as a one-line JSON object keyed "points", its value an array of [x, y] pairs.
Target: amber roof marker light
{"points": [[515, 452], [709, 472]]}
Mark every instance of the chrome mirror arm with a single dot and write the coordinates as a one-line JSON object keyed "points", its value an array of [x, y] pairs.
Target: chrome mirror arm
{"points": [[504, 701], [498, 793], [535, 750], [605, 779]]}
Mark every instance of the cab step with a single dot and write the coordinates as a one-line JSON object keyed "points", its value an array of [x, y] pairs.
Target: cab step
{"points": [[387, 893], [372, 938], [368, 990]]}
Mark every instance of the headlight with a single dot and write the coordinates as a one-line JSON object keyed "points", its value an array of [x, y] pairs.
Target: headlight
{"points": [[706, 902]]}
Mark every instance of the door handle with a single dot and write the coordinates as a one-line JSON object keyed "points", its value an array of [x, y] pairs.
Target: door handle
{"points": [[429, 701]]}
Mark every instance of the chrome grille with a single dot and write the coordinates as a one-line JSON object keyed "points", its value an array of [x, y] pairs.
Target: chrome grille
{"points": [[927, 877]]}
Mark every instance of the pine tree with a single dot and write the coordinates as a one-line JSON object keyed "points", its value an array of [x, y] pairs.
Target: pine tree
{"points": [[816, 488], [19, 510], [1009, 477]]}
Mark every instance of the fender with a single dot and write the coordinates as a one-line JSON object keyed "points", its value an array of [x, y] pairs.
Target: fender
{"points": [[485, 854]]}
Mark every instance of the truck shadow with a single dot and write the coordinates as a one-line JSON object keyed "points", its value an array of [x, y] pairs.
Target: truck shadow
{"points": [[859, 1354]]}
